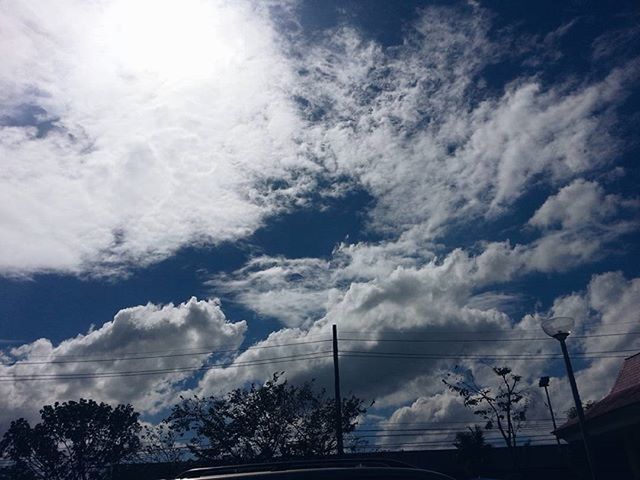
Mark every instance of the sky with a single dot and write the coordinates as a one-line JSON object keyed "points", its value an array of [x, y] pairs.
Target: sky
{"points": [[202, 188]]}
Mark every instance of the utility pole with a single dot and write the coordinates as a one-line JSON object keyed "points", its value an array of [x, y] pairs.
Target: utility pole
{"points": [[336, 377]]}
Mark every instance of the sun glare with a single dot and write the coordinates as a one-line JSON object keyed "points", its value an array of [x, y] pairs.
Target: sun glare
{"points": [[171, 39]]}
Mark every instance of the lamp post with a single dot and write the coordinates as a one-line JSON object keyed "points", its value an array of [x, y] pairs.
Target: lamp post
{"points": [[544, 382], [560, 328]]}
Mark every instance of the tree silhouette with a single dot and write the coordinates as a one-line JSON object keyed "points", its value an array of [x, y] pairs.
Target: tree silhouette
{"points": [[573, 413], [159, 445], [74, 441], [504, 407], [473, 450], [263, 422]]}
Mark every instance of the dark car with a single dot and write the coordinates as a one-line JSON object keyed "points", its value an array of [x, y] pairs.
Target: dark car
{"points": [[338, 469]]}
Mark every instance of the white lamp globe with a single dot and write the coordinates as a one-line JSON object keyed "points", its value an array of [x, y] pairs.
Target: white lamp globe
{"points": [[558, 327]]}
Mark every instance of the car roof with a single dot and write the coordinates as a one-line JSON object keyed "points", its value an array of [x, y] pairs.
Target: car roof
{"points": [[294, 464], [333, 473]]}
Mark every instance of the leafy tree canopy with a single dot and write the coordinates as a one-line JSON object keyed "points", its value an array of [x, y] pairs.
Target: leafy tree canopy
{"points": [[73, 441], [473, 450], [160, 445], [262, 422]]}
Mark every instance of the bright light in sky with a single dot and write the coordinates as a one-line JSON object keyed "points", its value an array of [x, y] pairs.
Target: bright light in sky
{"points": [[173, 40]]}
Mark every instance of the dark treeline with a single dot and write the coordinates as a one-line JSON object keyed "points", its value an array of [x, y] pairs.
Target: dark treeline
{"points": [[85, 440]]}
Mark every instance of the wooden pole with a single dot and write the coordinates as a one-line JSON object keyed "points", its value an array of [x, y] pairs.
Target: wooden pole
{"points": [[336, 378]]}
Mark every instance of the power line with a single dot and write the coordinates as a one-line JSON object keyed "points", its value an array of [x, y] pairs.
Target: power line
{"points": [[441, 430], [528, 420], [438, 356], [476, 340], [164, 350], [209, 349], [458, 428], [537, 354], [125, 358], [451, 434], [497, 434], [315, 354], [443, 442], [494, 330], [128, 356], [90, 375]]}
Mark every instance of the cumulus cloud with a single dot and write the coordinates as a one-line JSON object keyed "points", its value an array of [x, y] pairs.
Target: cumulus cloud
{"points": [[143, 338], [455, 314], [422, 300], [612, 301], [431, 414], [608, 305]]}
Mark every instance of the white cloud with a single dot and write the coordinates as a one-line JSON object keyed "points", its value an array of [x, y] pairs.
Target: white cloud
{"points": [[150, 331], [577, 226], [577, 205], [152, 146], [435, 301], [609, 305], [141, 142], [614, 300], [443, 300], [424, 300], [295, 291], [416, 127], [430, 412], [579, 223]]}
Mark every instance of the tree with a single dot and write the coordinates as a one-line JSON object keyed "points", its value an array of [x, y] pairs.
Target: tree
{"points": [[472, 449], [504, 408], [74, 441], [263, 422], [159, 445], [573, 413]]}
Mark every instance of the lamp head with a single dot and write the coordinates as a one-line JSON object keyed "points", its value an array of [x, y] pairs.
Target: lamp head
{"points": [[558, 327], [544, 382]]}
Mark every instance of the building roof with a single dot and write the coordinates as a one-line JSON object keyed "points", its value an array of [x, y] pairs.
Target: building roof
{"points": [[629, 375], [625, 392]]}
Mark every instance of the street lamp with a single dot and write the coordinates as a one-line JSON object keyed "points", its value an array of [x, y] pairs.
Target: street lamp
{"points": [[544, 382], [560, 328]]}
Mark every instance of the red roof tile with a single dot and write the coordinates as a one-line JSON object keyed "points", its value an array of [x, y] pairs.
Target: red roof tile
{"points": [[629, 375]]}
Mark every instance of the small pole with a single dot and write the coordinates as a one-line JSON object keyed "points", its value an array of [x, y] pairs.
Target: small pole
{"points": [[578, 403], [336, 377], [553, 417]]}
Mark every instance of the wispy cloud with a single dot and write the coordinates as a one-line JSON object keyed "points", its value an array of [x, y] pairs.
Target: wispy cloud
{"points": [[295, 291], [417, 126]]}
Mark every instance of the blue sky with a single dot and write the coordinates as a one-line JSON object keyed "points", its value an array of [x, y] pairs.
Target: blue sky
{"points": [[415, 168]]}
